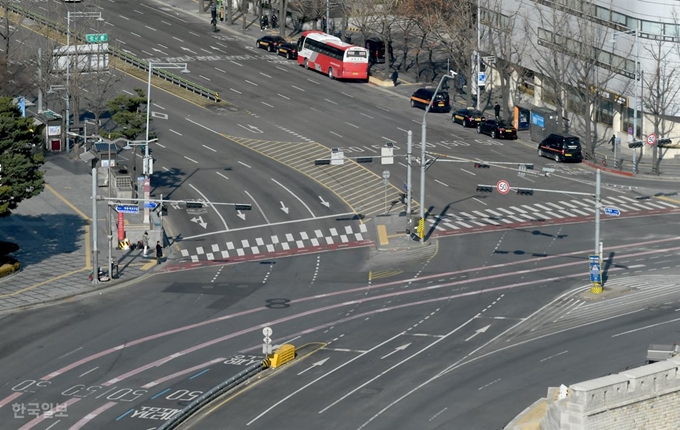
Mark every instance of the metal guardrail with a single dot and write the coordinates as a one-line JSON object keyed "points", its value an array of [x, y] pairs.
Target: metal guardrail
{"points": [[120, 54], [211, 395]]}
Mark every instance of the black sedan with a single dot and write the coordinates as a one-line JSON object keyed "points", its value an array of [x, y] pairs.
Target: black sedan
{"points": [[467, 117], [497, 129], [288, 50], [270, 43]]}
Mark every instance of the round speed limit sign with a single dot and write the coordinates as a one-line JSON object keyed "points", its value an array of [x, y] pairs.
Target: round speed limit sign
{"points": [[503, 187]]}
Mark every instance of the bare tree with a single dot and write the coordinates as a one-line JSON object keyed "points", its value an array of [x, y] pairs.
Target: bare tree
{"points": [[16, 73], [662, 83], [308, 11]]}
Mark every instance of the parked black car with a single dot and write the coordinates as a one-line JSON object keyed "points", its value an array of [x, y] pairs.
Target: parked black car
{"points": [[561, 147], [497, 129], [467, 117], [288, 50], [421, 98], [270, 43]]}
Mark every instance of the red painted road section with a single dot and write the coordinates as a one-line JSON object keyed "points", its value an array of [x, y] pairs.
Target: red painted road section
{"points": [[607, 169]]}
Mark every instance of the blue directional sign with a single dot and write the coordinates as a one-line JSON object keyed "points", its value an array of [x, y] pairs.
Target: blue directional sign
{"points": [[595, 269], [612, 211], [405, 187], [127, 209], [150, 205]]}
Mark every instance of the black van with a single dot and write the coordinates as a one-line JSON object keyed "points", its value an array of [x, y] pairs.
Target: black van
{"points": [[376, 49], [421, 98], [561, 147]]}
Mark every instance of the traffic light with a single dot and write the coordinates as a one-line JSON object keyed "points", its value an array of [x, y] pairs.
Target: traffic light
{"points": [[243, 206], [636, 144], [481, 166], [364, 159], [525, 191], [664, 143], [485, 188], [321, 161], [402, 198], [421, 228]]}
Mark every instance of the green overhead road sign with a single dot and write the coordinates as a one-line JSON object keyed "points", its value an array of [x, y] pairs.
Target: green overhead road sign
{"points": [[97, 38]]}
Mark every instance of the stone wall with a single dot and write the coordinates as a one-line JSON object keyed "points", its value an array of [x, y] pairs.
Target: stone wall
{"points": [[644, 398]]}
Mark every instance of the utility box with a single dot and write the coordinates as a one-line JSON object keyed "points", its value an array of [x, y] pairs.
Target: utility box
{"points": [[543, 122]]}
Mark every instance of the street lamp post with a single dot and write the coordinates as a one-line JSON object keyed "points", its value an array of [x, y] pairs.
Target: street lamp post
{"points": [[147, 164], [478, 60], [69, 16], [637, 85], [423, 140]]}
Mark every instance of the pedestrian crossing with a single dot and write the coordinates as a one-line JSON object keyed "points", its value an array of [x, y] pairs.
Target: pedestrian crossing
{"points": [[544, 211], [287, 242]]}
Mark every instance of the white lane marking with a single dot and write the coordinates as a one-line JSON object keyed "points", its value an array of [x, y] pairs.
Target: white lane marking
{"points": [[214, 233], [380, 107], [314, 82], [213, 206], [490, 383], [124, 17], [350, 124], [258, 207], [293, 194], [264, 74], [455, 330], [147, 53], [222, 175], [297, 88], [223, 46], [201, 76], [195, 34], [332, 132], [281, 68], [348, 95], [69, 353], [252, 83], [440, 182], [206, 146], [331, 101], [401, 129], [281, 95], [177, 38], [244, 164], [127, 92], [201, 125], [553, 356], [138, 11], [220, 70], [135, 34], [467, 171], [475, 198], [322, 377], [236, 91], [238, 64], [191, 159], [150, 28], [205, 50], [645, 327], [165, 22], [267, 104], [91, 370], [158, 106], [437, 414], [367, 116]]}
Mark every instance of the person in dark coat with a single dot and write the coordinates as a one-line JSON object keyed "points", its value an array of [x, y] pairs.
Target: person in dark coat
{"points": [[159, 252], [497, 110]]}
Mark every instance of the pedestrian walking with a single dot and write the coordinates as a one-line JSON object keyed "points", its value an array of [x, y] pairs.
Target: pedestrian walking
{"points": [[159, 252], [213, 15], [612, 141], [145, 242], [395, 77], [497, 110]]}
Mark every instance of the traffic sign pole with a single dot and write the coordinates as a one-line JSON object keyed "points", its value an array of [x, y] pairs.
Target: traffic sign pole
{"points": [[597, 287]]}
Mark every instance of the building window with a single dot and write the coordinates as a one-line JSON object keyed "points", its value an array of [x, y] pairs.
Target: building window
{"points": [[605, 112], [602, 13], [671, 30], [619, 18], [651, 27]]}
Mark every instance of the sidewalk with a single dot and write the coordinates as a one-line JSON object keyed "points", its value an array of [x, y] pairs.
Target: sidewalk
{"points": [[53, 232]]}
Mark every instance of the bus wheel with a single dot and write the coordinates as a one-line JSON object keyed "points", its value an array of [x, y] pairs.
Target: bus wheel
{"points": [[330, 73]]}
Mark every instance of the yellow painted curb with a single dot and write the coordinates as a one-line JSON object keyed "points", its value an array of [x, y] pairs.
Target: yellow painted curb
{"points": [[668, 199], [149, 265], [382, 235]]}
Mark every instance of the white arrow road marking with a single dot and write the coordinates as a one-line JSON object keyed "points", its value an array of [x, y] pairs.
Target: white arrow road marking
{"points": [[158, 50], [212, 206], [478, 331], [318, 363], [217, 49], [199, 220], [397, 349], [324, 202], [299, 199], [284, 208], [187, 49], [241, 215]]}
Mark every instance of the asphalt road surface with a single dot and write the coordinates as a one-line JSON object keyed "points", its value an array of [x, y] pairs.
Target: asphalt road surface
{"points": [[465, 332]]}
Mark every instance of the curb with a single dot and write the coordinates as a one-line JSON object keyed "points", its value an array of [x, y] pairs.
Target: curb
{"points": [[608, 169]]}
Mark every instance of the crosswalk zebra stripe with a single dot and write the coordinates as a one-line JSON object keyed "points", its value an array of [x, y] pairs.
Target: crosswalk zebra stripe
{"points": [[656, 205], [449, 225], [516, 209], [579, 212], [505, 211], [564, 211], [670, 205], [499, 216], [567, 204], [463, 224]]}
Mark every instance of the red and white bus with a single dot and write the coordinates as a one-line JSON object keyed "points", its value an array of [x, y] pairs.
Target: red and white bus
{"points": [[330, 55]]}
